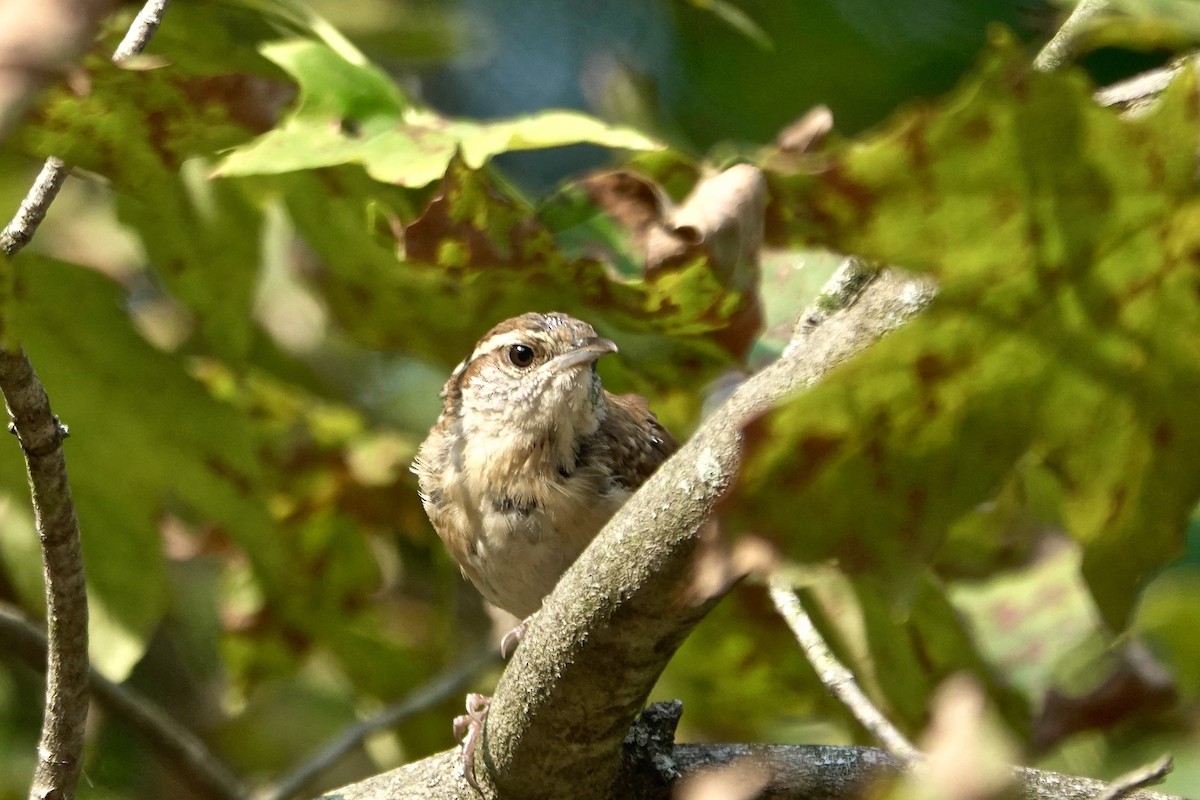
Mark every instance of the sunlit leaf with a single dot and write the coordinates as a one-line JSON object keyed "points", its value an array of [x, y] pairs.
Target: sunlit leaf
{"points": [[1027, 621], [354, 114]]}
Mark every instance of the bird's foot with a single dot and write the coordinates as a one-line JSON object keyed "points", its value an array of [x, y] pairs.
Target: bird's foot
{"points": [[467, 729], [508, 644]]}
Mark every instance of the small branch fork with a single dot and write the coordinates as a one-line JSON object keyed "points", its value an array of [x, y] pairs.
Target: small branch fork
{"points": [[837, 678], [1148, 775]]}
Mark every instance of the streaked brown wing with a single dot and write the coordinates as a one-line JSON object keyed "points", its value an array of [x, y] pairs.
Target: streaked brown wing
{"points": [[639, 443]]}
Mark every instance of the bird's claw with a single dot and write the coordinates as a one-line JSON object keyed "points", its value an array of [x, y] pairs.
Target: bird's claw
{"points": [[508, 644], [467, 729]]}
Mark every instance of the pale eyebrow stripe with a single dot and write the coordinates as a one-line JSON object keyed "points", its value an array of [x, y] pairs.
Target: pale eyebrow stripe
{"points": [[498, 341]]}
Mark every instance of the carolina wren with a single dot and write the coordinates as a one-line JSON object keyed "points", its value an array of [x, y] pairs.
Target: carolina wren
{"points": [[531, 456]]}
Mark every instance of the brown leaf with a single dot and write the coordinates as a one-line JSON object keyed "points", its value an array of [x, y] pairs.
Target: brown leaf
{"points": [[633, 200], [440, 224], [720, 222]]}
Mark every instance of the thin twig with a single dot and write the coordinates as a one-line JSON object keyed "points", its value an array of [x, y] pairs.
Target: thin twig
{"points": [[1140, 778], [837, 678], [1138, 96], [1061, 47], [33, 208], [40, 433], [32, 211], [140, 30], [424, 697], [60, 749], [178, 748]]}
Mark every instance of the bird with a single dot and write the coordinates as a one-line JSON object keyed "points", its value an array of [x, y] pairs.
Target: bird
{"points": [[531, 456], [527, 461]]}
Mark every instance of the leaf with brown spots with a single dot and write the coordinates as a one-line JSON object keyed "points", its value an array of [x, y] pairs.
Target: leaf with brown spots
{"points": [[138, 129], [1065, 336], [478, 254]]}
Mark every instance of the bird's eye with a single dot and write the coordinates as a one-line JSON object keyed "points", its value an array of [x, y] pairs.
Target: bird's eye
{"points": [[521, 355]]}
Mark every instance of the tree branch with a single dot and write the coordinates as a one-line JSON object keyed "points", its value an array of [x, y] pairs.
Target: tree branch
{"points": [[61, 747], [32, 211], [1138, 96], [45, 188], [791, 772], [837, 678], [40, 433], [140, 30], [1127, 785], [591, 657], [179, 749]]}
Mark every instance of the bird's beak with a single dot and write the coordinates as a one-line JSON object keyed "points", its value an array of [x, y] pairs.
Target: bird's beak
{"points": [[584, 351]]}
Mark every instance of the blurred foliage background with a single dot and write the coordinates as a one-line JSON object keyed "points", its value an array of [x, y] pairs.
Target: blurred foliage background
{"points": [[289, 222]]}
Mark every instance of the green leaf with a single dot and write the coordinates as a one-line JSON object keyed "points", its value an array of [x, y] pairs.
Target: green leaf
{"points": [[1065, 335], [145, 440], [1182, 15], [202, 239], [216, 37], [331, 486], [301, 17], [144, 131], [352, 113], [131, 126], [791, 280], [907, 650]]}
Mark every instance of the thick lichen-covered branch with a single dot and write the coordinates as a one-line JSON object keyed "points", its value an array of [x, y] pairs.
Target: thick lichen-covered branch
{"points": [[582, 674]]}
